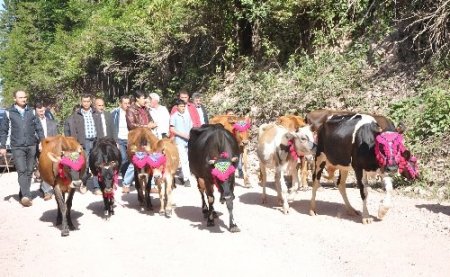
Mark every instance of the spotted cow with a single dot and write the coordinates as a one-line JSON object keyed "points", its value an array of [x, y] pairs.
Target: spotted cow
{"points": [[280, 148], [356, 141]]}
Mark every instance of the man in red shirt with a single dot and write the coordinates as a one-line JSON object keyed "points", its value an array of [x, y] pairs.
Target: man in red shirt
{"points": [[195, 117]]}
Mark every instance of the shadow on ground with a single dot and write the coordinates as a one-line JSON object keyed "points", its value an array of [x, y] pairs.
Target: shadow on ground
{"points": [[436, 208], [195, 215], [50, 217]]}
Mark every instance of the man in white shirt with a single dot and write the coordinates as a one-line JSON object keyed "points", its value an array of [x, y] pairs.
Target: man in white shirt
{"points": [[160, 116]]}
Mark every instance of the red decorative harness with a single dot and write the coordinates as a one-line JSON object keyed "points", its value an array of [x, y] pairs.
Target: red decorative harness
{"points": [[392, 145], [75, 161], [223, 169], [241, 126]]}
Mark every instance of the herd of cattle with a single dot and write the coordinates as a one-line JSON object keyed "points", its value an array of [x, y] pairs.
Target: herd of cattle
{"points": [[334, 140]]}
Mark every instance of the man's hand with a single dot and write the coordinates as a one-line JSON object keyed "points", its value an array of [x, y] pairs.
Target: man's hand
{"points": [[2, 152]]}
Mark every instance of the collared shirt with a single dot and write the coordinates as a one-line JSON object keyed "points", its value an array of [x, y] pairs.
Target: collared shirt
{"points": [[44, 125], [21, 110], [200, 113], [123, 128], [89, 125], [104, 124], [182, 123], [161, 117]]}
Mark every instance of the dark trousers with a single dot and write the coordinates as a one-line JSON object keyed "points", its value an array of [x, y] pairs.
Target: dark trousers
{"points": [[24, 160], [88, 145], [123, 145]]}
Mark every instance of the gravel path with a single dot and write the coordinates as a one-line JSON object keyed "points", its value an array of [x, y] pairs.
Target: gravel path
{"points": [[413, 240]]}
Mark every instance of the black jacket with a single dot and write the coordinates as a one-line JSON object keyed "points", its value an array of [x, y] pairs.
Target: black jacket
{"points": [[74, 126], [25, 131]]}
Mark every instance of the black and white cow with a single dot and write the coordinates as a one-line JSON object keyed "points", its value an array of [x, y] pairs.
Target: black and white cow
{"points": [[213, 154], [357, 141], [104, 162]]}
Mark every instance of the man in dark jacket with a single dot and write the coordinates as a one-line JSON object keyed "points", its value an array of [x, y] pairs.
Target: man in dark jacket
{"points": [[197, 100], [86, 125], [50, 128], [26, 133]]}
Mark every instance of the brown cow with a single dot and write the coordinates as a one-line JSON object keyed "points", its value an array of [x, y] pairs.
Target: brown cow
{"points": [[141, 141], [164, 174], [240, 128], [61, 164], [293, 123]]}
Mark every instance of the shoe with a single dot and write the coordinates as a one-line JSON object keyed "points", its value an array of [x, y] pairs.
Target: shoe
{"points": [[154, 190], [125, 189], [47, 196], [97, 192], [26, 202], [187, 183]]}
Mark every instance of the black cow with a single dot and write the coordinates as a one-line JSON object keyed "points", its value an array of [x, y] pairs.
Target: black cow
{"points": [[213, 154], [350, 141], [104, 162]]}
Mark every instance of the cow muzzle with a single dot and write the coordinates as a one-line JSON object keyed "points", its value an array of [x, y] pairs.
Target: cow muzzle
{"points": [[76, 184]]}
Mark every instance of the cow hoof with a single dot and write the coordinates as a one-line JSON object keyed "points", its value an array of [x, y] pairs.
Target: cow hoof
{"points": [[382, 211], [312, 213], [161, 213], [215, 215], [64, 233], [210, 223], [234, 229], [169, 213], [367, 220], [106, 213]]}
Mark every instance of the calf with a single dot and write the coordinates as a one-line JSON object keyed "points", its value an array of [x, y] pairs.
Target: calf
{"points": [[213, 154], [279, 148], [61, 164], [350, 141], [293, 123], [240, 128], [104, 162], [164, 172], [141, 141]]}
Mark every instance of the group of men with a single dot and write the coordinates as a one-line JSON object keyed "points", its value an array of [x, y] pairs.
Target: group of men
{"points": [[27, 127]]}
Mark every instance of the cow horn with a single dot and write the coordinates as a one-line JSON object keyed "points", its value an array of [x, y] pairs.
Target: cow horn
{"points": [[211, 162], [54, 158], [234, 159]]}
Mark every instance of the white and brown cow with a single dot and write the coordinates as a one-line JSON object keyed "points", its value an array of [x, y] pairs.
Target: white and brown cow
{"points": [[166, 160], [279, 148], [357, 141]]}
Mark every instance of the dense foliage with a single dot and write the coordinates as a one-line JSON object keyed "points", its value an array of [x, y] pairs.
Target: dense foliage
{"points": [[390, 57]]}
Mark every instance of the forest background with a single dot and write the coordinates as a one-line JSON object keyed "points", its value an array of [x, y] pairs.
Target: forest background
{"points": [[266, 57]]}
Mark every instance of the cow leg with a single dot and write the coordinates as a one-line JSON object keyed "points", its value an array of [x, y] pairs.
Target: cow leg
{"points": [[318, 169], [201, 189], [386, 203], [304, 173], [162, 185], [106, 203], [233, 227], [263, 179], [69, 208], [244, 167], [343, 190], [362, 184], [148, 200], [282, 190], [62, 209], [211, 212], [295, 180], [168, 195]]}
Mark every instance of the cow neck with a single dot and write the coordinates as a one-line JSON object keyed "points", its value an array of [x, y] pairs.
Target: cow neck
{"points": [[292, 150]]}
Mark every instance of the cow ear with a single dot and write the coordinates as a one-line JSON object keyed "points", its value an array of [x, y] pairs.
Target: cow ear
{"points": [[211, 162], [289, 136], [232, 119], [406, 154], [234, 159], [54, 158], [401, 128]]}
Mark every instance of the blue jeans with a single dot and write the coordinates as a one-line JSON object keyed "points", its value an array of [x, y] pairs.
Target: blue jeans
{"points": [[88, 145], [126, 168], [24, 160]]}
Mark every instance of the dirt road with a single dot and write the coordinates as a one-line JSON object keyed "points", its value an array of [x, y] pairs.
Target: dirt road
{"points": [[413, 240]]}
